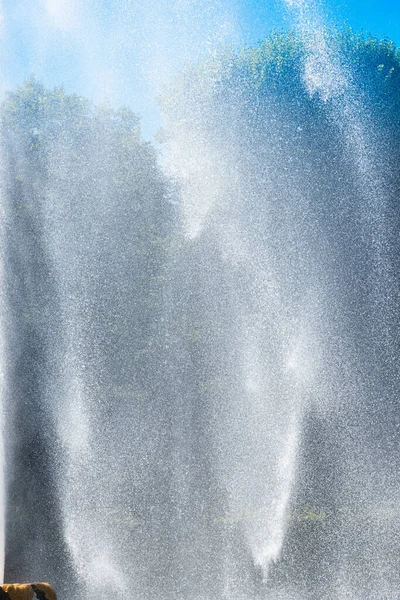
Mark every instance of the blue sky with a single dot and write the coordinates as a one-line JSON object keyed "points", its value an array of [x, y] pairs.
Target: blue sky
{"points": [[122, 51]]}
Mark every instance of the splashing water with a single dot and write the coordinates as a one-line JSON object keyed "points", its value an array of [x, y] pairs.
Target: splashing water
{"points": [[3, 398], [200, 355]]}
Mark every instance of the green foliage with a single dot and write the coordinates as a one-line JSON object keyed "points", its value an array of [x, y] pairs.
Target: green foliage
{"points": [[40, 122], [275, 67], [84, 174]]}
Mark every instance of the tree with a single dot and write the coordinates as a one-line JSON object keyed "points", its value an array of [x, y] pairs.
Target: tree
{"points": [[89, 224]]}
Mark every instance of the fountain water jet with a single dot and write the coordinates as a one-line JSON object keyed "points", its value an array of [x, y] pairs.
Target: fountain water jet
{"points": [[202, 362]]}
